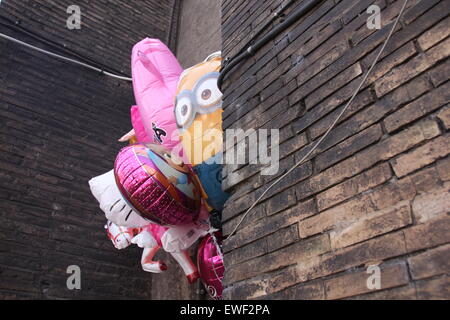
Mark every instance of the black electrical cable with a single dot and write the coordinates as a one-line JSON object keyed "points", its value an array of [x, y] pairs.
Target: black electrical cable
{"points": [[290, 20], [15, 26], [64, 58], [277, 15]]}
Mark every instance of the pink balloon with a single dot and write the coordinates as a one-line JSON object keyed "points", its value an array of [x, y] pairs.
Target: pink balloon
{"points": [[156, 72], [159, 191], [210, 266], [156, 231]]}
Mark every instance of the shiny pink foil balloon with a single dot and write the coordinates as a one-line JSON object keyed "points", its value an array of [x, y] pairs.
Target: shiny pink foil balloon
{"points": [[210, 266], [156, 231], [157, 190], [156, 72]]}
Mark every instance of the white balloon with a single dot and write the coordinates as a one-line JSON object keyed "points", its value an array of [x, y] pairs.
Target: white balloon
{"points": [[144, 240], [120, 236], [180, 238], [112, 203]]}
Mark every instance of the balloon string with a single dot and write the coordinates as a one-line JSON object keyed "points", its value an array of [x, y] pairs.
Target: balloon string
{"points": [[219, 251], [338, 118]]}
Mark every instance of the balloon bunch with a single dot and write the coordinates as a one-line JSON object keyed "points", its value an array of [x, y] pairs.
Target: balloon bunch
{"points": [[166, 184]]}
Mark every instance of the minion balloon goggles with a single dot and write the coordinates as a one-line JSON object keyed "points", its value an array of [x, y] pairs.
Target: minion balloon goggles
{"points": [[205, 98]]}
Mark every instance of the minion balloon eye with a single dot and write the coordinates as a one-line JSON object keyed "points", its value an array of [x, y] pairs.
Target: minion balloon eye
{"points": [[205, 98], [184, 111], [207, 93]]}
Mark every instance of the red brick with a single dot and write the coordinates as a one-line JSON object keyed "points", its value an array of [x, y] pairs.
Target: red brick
{"points": [[437, 289], [427, 235], [382, 151], [281, 202], [271, 286], [313, 291], [430, 263], [381, 222], [261, 286], [440, 74], [426, 180], [331, 86], [422, 156], [271, 224], [388, 246], [321, 112], [360, 183], [400, 293], [299, 251], [348, 147], [353, 284], [422, 106], [444, 116], [443, 168], [434, 35], [412, 68], [247, 252], [370, 115], [358, 208], [432, 205], [282, 238], [257, 213]]}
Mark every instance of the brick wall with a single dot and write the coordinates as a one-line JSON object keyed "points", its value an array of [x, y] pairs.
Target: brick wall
{"points": [[377, 190], [58, 126]]}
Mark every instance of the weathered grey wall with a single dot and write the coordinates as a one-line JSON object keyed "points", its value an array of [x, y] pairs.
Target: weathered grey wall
{"points": [[199, 31]]}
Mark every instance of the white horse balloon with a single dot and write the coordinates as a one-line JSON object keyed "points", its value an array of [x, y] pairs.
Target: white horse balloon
{"points": [[144, 238]]}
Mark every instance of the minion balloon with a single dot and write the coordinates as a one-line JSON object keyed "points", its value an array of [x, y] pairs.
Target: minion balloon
{"points": [[198, 113]]}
